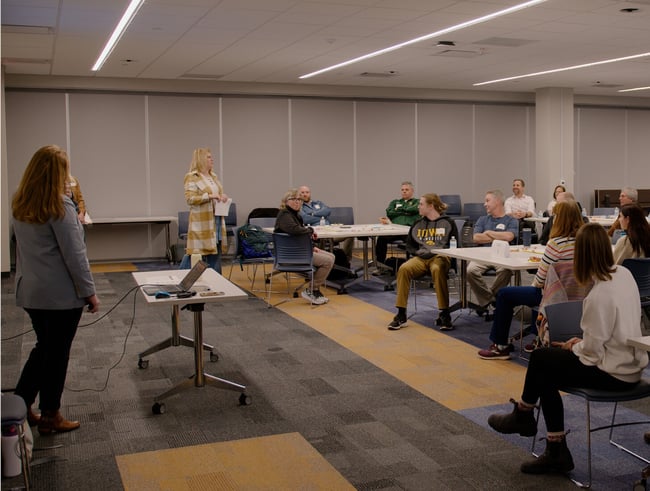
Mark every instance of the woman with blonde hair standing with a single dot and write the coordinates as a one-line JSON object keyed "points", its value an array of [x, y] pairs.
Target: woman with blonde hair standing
{"points": [[53, 282], [206, 233]]}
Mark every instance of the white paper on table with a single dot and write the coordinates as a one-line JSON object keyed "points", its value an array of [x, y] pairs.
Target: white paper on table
{"points": [[221, 209]]}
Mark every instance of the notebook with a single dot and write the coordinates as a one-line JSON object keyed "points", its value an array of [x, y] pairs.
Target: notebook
{"points": [[184, 286]]}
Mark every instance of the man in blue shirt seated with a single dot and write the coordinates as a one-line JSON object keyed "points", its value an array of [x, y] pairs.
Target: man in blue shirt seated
{"points": [[313, 210], [496, 225]]}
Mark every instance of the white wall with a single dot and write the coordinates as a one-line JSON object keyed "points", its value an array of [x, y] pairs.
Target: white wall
{"points": [[130, 151]]}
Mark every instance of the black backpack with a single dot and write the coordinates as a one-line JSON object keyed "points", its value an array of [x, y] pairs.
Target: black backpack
{"points": [[253, 242]]}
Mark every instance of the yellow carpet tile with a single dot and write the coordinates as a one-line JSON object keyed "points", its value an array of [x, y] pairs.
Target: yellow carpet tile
{"points": [[285, 461], [445, 369], [112, 267]]}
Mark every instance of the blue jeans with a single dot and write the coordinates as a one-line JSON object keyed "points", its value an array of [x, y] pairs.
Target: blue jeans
{"points": [[507, 299], [213, 260]]}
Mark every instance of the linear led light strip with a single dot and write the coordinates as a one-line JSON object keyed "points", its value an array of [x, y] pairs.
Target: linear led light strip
{"points": [[635, 89], [124, 22], [447, 30], [564, 69]]}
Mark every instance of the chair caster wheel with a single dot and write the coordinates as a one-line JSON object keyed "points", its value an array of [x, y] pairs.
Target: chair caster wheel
{"points": [[214, 357], [388, 288], [158, 408], [295, 295], [245, 400], [143, 363]]}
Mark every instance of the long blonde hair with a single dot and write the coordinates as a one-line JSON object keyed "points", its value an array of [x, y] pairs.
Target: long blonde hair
{"points": [[200, 164], [39, 196]]}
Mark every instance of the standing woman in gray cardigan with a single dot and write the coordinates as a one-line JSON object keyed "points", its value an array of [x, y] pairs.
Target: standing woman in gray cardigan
{"points": [[53, 282]]}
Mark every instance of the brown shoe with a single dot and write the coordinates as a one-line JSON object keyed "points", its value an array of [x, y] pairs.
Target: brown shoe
{"points": [[32, 418], [53, 421]]}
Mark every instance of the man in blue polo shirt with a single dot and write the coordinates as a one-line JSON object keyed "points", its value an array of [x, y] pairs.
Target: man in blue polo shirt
{"points": [[496, 225]]}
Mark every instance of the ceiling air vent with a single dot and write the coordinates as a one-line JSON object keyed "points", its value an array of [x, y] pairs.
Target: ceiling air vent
{"points": [[606, 86], [459, 53], [200, 76], [386, 74]]}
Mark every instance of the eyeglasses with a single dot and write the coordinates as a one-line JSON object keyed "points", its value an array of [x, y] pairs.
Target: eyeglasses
{"points": [[294, 199]]}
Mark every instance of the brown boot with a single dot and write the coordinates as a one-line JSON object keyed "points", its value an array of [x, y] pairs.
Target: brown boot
{"points": [[32, 418], [53, 421]]}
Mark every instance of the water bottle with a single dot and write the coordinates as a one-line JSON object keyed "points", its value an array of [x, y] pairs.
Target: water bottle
{"points": [[584, 212], [452, 243], [11, 464], [616, 212], [323, 222]]}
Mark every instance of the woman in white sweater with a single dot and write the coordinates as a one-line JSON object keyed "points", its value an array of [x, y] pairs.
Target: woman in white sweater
{"points": [[601, 359]]}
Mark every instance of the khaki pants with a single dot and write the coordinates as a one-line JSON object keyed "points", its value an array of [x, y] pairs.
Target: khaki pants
{"points": [[484, 293], [323, 261], [415, 267]]}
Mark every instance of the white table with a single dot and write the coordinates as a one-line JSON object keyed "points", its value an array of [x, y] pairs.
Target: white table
{"points": [[604, 220], [642, 342], [518, 261], [162, 220], [220, 290], [365, 231]]}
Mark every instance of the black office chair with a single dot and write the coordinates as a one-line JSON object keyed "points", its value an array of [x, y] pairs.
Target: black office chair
{"points": [[231, 220], [640, 269], [453, 202], [474, 211], [293, 254], [183, 225]]}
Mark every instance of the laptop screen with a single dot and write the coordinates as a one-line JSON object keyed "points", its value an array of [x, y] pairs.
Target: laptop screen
{"points": [[193, 275]]}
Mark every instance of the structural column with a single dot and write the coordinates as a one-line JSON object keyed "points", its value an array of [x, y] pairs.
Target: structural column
{"points": [[554, 142]]}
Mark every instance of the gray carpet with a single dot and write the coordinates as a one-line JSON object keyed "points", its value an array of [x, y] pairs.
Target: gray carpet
{"points": [[376, 431]]}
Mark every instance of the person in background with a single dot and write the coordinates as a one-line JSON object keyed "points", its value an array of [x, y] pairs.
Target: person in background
{"points": [[496, 225], [549, 208], [77, 197], [560, 248], [313, 211], [519, 205], [206, 233], [402, 211], [432, 231], [546, 230], [53, 282], [636, 239], [602, 359], [628, 196], [290, 222]]}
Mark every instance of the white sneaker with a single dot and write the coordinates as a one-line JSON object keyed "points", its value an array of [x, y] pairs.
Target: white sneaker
{"points": [[320, 296], [315, 300]]}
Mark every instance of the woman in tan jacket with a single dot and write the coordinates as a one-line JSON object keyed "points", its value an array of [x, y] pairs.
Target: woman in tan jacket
{"points": [[206, 233]]}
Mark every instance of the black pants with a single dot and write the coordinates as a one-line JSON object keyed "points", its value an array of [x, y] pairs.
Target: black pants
{"points": [[381, 246], [550, 368], [47, 366]]}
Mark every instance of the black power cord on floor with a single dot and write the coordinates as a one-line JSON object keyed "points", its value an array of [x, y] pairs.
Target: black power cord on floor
{"points": [[81, 326]]}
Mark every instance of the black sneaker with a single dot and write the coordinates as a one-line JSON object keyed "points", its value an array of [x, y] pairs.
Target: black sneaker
{"points": [[397, 323], [444, 321], [518, 421]]}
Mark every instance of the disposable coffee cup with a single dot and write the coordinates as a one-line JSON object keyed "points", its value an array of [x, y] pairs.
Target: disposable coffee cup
{"points": [[527, 237]]}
